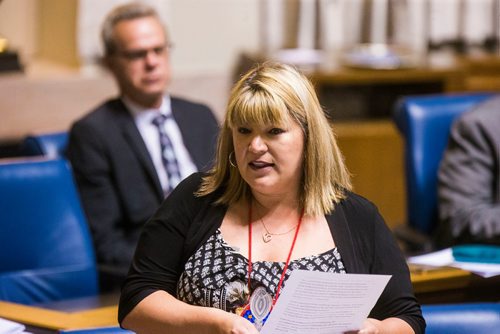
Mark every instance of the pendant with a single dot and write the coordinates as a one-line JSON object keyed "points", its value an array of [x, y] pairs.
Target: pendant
{"points": [[261, 303], [258, 308], [266, 237]]}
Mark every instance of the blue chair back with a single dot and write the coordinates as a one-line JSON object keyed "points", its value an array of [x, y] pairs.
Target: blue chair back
{"points": [[47, 144], [425, 122], [477, 318], [46, 251]]}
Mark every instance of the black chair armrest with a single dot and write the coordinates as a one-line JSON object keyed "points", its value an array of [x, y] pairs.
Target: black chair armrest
{"points": [[412, 241]]}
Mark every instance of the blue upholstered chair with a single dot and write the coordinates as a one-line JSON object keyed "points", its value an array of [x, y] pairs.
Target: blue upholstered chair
{"points": [[46, 252], [424, 123], [51, 144], [477, 318]]}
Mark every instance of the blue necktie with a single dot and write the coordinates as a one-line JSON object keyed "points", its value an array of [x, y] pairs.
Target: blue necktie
{"points": [[167, 154]]}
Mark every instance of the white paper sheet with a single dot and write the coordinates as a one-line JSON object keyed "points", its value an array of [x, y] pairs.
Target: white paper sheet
{"points": [[316, 302], [10, 327], [444, 258]]}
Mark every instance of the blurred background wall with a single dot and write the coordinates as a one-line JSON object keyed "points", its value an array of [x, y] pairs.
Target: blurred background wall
{"points": [[210, 34], [207, 35], [59, 79]]}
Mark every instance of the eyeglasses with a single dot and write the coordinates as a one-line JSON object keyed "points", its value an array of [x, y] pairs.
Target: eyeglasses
{"points": [[135, 55]]}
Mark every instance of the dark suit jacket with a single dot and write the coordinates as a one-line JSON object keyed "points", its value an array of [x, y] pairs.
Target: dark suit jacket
{"points": [[469, 179], [117, 180]]}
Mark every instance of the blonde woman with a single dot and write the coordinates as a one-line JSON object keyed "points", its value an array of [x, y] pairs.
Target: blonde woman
{"points": [[278, 199]]}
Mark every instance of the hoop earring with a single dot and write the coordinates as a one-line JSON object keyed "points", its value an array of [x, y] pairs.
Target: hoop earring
{"points": [[231, 158]]}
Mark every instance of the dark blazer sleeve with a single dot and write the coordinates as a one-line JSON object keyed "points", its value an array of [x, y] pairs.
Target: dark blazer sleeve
{"points": [[469, 178], [367, 246], [168, 239], [116, 179], [397, 300], [93, 172]]}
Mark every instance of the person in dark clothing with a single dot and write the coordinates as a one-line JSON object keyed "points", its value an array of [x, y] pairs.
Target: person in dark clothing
{"points": [[469, 179], [131, 151], [278, 199]]}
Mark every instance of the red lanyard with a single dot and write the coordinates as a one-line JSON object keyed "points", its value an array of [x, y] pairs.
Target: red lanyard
{"points": [[287, 260]]}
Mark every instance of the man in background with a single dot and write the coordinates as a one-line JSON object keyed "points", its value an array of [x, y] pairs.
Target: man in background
{"points": [[469, 179], [130, 152]]}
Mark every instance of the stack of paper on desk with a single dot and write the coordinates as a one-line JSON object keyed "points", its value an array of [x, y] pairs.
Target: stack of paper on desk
{"points": [[445, 257]]}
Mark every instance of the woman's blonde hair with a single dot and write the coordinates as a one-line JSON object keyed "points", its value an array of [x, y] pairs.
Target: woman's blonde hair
{"points": [[275, 93]]}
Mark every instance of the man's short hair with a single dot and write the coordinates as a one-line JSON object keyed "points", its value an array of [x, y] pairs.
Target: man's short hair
{"points": [[125, 12]]}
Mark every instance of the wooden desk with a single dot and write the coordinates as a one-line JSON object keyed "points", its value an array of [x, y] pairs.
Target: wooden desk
{"points": [[445, 69], [101, 311], [451, 285], [432, 279], [483, 72], [57, 320], [431, 285], [355, 93]]}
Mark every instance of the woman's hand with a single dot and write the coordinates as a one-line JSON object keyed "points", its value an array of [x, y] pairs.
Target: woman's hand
{"points": [[370, 326], [387, 326], [239, 325]]}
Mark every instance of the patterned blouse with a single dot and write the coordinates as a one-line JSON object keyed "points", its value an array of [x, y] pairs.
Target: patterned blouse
{"points": [[216, 275]]}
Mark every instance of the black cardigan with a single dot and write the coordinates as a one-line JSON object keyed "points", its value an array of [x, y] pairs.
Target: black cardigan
{"points": [[184, 222]]}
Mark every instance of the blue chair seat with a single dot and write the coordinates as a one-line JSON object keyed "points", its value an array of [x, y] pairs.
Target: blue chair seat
{"points": [[46, 252], [477, 318]]}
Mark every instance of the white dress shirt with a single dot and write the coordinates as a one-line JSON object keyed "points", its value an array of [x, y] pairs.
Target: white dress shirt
{"points": [[143, 118]]}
